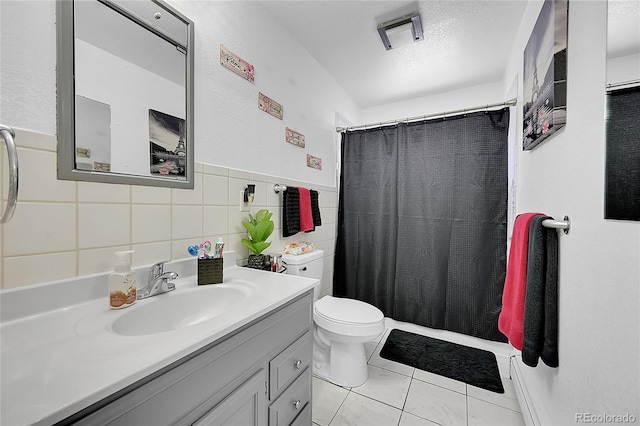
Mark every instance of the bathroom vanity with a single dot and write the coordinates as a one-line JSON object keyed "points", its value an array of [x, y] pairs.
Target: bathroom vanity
{"points": [[245, 362]]}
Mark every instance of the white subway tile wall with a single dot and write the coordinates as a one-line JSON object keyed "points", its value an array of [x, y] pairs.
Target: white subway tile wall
{"points": [[62, 229]]}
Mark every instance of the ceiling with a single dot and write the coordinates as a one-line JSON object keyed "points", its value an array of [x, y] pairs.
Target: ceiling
{"points": [[623, 27], [466, 43]]}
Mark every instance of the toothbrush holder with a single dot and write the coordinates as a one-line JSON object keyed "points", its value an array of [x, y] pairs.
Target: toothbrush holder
{"points": [[210, 271]]}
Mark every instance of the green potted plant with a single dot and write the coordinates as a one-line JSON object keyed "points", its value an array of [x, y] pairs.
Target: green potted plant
{"points": [[259, 229]]}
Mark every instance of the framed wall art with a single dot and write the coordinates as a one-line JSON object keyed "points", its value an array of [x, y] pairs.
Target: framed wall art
{"points": [[545, 75]]}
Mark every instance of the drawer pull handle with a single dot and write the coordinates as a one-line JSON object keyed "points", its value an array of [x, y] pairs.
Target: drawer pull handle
{"points": [[297, 404], [297, 364]]}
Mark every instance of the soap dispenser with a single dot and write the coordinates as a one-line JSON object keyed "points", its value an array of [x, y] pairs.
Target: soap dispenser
{"points": [[122, 282]]}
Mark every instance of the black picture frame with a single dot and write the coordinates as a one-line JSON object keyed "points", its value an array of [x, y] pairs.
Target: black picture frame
{"points": [[545, 75]]}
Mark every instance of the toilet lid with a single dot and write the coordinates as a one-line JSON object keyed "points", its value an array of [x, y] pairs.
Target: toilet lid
{"points": [[347, 311]]}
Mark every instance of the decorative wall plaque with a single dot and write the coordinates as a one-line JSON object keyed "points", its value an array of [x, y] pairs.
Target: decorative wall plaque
{"points": [[270, 106], [236, 64], [314, 162], [293, 137]]}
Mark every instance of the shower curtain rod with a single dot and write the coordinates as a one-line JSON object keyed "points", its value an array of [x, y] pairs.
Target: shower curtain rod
{"points": [[510, 102], [623, 85]]}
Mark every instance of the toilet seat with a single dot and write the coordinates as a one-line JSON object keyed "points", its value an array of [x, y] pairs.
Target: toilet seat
{"points": [[348, 317]]}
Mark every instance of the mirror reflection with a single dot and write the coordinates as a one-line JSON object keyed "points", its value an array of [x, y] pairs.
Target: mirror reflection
{"points": [[622, 161], [131, 94]]}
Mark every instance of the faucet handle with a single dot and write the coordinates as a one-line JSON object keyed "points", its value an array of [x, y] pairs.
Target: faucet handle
{"points": [[157, 269]]}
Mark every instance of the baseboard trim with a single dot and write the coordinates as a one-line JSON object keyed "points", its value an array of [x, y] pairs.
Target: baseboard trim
{"points": [[531, 415]]}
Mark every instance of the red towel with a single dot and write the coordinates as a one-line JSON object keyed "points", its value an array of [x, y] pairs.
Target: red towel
{"points": [[511, 319], [306, 218]]}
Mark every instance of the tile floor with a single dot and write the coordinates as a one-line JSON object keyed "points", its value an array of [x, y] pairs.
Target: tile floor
{"points": [[396, 394]]}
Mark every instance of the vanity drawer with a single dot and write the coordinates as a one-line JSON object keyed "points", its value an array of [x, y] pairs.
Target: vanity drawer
{"points": [[292, 402], [284, 368], [304, 418]]}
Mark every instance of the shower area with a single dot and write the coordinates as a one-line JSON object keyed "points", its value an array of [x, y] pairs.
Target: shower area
{"points": [[422, 220]]}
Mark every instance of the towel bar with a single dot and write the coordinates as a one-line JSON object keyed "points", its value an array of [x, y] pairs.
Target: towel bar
{"points": [[564, 224], [8, 134], [277, 188]]}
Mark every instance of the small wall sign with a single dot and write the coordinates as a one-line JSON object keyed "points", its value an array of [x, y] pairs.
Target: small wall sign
{"points": [[270, 106], [314, 162], [236, 64], [293, 137]]}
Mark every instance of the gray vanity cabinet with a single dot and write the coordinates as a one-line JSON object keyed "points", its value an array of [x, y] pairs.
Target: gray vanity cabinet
{"points": [[259, 375], [245, 406]]}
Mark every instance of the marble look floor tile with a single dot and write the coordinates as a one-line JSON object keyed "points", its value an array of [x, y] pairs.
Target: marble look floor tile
{"points": [[408, 419], [327, 399], [378, 361], [385, 386], [508, 399], [358, 410], [485, 413], [442, 381], [437, 404], [369, 349]]}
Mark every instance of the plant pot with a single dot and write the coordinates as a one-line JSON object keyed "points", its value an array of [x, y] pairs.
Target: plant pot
{"points": [[259, 261]]}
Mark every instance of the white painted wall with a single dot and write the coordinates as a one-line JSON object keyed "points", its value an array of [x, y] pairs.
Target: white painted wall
{"points": [[230, 130], [28, 74], [448, 101], [623, 68], [599, 282], [227, 114]]}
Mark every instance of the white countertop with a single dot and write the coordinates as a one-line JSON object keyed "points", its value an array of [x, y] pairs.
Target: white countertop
{"points": [[55, 363]]}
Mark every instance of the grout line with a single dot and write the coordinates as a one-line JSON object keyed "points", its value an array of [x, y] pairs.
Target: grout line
{"points": [[341, 404], [133, 256], [466, 402], [77, 226], [404, 403], [494, 404]]}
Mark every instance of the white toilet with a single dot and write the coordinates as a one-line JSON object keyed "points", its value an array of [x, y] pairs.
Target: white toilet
{"points": [[341, 327]]}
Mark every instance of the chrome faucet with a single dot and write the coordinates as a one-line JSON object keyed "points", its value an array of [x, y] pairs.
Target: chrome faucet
{"points": [[158, 282]]}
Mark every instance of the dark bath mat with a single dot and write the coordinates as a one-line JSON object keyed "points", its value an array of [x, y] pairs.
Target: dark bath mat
{"points": [[476, 367]]}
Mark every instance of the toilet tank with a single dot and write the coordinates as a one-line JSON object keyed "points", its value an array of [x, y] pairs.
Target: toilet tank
{"points": [[306, 265]]}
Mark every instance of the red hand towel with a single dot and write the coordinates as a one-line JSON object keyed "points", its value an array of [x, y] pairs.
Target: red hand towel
{"points": [[306, 218], [511, 319]]}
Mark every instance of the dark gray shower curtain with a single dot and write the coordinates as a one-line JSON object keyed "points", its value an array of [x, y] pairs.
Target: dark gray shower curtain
{"points": [[422, 221]]}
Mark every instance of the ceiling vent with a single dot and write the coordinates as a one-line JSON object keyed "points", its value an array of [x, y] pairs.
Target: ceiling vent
{"points": [[401, 31]]}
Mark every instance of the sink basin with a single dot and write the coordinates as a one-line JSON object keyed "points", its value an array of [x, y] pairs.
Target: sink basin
{"points": [[181, 308]]}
